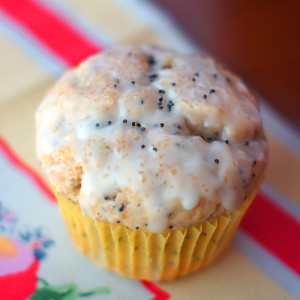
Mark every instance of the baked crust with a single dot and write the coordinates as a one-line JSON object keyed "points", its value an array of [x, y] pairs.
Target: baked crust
{"points": [[202, 162]]}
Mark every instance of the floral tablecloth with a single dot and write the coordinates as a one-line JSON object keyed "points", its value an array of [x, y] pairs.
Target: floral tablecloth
{"points": [[38, 41]]}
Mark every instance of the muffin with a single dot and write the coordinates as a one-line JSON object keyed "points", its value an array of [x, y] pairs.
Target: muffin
{"points": [[154, 157]]}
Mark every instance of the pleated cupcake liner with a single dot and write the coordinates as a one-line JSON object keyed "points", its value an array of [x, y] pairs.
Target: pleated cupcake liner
{"points": [[151, 256]]}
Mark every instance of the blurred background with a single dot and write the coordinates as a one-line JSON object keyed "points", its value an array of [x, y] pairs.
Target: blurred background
{"points": [[259, 40]]}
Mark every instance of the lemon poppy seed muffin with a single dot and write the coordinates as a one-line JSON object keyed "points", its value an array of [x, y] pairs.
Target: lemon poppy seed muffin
{"points": [[151, 139]]}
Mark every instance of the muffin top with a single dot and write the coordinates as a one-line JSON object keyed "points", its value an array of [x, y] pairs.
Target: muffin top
{"points": [[151, 138]]}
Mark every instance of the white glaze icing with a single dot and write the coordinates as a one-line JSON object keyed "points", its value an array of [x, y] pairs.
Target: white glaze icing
{"points": [[184, 169]]}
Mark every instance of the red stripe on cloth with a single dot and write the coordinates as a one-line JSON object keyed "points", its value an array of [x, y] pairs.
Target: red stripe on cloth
{"points": [[49, 29], [17, 162], [275, 230], [154, 289]]}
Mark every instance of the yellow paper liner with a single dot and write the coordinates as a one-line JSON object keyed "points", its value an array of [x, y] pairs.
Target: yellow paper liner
{"points": [[151, 256]]}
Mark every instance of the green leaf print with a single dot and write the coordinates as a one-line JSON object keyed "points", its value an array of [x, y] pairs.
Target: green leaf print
{"points": [[62, 292], [99, 290], [67, 291]]}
